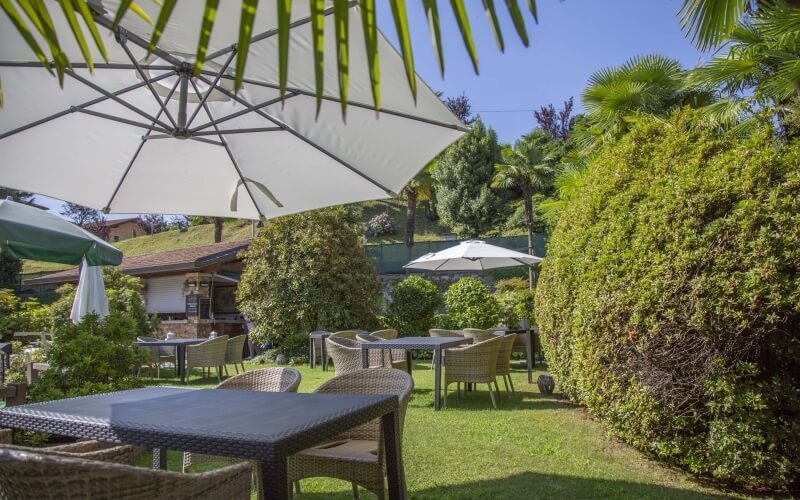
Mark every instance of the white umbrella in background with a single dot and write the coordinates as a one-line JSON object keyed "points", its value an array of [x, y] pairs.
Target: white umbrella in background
{"points": [[472, 255], [90, 297], [145, 135]]}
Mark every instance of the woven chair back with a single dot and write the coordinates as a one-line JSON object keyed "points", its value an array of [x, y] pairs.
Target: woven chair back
{"points": [[504, 354], [210, 353], [234, 350], [387, 334], [437, 332], [478, 335], [345, 334], [264, 380]]}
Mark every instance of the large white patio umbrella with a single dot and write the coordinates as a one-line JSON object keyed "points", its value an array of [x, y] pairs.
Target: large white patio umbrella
{"points": [[472, 255], [143, 135]]}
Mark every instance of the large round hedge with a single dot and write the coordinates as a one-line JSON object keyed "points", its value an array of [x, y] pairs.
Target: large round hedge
{"points": [[669, 303]]}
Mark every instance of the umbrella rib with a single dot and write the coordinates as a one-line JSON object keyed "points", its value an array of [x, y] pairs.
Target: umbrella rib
{"points": [[107, 208], [236, 165], [355, 104], [239, 131], [123, 43], [76, 65], [80, 106], [115, 98], [305, 139], [120, 120], [210, 90], [107, 23], [250, 108], [273, 32]]}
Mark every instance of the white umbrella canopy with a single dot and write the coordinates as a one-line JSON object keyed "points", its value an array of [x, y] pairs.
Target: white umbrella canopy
{"points": [[90, 297], [472, 255], [142, 135]]}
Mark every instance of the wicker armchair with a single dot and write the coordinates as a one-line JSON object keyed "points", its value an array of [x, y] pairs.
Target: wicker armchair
{"points": [[504, 360], [478, 335], [398, 355], [159, 355], [89, 450], [209, 354], [263, 380], [44, 475], [345, 334], [357, 455], [234, 353], [436, 332], [473, 364], [346, 355]]}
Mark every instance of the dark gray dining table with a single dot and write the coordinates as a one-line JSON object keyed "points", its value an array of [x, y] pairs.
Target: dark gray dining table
{"points": [[435, 344], [264, 426], [180, 348]]}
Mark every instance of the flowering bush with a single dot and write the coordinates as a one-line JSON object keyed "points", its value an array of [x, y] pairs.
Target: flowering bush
{"points": [[380, 224]]}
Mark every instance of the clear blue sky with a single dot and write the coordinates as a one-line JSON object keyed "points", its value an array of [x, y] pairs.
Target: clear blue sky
{"points": [[573, 39]]}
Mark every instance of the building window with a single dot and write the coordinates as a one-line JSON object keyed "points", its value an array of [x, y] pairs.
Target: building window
{"points": [[116, 237]]}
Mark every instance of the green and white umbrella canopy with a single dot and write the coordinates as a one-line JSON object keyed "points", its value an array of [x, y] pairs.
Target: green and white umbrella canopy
{"points": [[145, 135], [30, 233]]}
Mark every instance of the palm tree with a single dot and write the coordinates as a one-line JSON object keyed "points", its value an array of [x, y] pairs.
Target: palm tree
{"points": [[759, 74], [651, 84], [420, 188], [528, 166]]}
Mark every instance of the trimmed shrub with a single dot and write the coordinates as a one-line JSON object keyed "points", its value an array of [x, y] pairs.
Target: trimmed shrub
{"points": [[91, 357], [414, 303], [308, 272], [515, 299], [470, 305], [669, 303]]}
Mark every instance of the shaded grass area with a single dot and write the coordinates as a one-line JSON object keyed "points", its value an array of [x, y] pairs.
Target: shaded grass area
{"points": [[530, 447]]}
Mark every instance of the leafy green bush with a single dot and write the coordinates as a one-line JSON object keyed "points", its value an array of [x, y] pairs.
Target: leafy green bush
{"points": [[669, 303], [124, 296], [515, 299], [414, 302], [21, 315], [470, 305], [91, 357], [308, 272]]}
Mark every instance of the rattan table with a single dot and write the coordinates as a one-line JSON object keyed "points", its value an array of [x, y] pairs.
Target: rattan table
{"points": [[180, 348], [263, 426], [314, 337], [435, 344]]}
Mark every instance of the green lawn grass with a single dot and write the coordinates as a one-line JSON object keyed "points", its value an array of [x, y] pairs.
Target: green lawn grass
{"points": [[530, 447]]}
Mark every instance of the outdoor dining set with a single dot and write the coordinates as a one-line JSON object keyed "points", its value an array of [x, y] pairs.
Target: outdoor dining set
{"points": [[204, 353], [470, 356]]}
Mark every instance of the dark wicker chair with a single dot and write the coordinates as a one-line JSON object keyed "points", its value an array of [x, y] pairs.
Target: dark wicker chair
{"points": [[358, 455], [46, 475]]}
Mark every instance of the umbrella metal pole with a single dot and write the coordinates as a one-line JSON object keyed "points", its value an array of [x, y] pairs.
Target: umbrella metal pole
{"points": [[182, 100]]}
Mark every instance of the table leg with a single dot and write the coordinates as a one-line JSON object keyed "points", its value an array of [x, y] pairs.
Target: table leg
{"points": [[437, 376], [408, 361], [529, 355], [310, 352], [274, 479], [394, 456], [323, 354], [181, 362], [160, 458], [364, 357]]}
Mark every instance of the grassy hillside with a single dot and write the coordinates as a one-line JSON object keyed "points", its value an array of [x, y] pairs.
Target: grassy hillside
{"points": [[168, 240], [240, 230]]}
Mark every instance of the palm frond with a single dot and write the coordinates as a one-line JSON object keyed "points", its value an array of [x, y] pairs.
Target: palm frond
{"points": [[709, 22], [727, 112]]}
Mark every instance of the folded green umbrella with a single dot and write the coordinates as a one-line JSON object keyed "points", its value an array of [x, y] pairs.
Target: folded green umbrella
{"points": [[30, 233]]}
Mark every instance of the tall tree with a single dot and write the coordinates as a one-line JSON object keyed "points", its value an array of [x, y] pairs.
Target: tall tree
{"points": [[529, 167], [420, 188], [10, 267], [464, 171], [152, 223], [79, 214], [20, 196], [218, 222], [461, 107], [556, 123]]}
